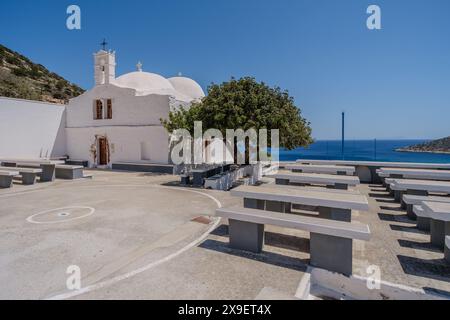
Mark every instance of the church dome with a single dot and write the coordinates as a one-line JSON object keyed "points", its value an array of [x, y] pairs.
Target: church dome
{"points": [[187, 87], [145, 82]]}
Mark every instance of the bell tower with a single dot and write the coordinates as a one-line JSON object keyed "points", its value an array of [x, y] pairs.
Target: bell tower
{"points": [[105, 66]]}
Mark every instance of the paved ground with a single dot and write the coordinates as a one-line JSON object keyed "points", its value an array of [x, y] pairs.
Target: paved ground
{"points": [[139, 236], [403, 252]]}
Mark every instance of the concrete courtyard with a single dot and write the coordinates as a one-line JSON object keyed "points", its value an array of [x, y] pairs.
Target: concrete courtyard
{"points": [[141, 236]]}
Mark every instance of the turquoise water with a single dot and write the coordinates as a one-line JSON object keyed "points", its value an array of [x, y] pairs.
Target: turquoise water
{"points": [[364, 150]]}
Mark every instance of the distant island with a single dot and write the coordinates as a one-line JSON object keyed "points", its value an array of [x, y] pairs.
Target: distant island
{"points": [[435, 146]]}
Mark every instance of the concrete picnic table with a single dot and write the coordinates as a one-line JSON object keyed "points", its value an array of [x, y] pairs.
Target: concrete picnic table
{"points": [[316, 168], [378, 164], [6, 178], [330, 180], [47, 166], [331, 205], [418, 187], [28, 174], [366, 170], [439, 213], [410, 173]]}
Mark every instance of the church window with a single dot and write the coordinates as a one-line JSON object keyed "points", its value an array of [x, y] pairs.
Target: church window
{"points": [[108, 108], [98, 109]]}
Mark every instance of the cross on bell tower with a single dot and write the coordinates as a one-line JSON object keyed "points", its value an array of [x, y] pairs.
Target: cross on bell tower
{"points": [[103, 44]]}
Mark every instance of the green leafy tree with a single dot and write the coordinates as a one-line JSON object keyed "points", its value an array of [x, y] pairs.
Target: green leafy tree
{"points": [[246, 103]]}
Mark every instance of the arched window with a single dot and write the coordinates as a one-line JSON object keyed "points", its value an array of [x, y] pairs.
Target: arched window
{"points": [[98, 109]]}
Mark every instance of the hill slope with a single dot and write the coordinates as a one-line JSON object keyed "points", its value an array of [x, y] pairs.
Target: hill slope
{"points": [[435, 146], [23, 79]]}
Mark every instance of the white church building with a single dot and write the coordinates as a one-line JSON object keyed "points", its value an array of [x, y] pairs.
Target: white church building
{"points": [[118, 120]]}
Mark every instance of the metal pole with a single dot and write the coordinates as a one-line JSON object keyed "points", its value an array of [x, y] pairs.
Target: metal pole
{"points": [[375, 149], [343, 133]]}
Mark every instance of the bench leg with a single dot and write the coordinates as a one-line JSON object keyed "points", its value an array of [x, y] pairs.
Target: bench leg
{"points": [[198, 179], [246, 235], [402, 204], [283, 182], [335, 214], [185, 180], [439, 229], [417, 192], [447, 254], [423, 223], [409, 211], [9, 164], [398, 195], [331, 253], [48, 172], [6, 181], [391, 192], [28, 178], [254, 204], [278, 206], [340, 186]]}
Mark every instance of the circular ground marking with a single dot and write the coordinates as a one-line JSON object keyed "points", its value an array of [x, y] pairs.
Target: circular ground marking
{"points": [[60, 215]]}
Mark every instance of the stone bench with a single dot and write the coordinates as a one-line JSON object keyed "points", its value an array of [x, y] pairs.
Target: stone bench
{"points": [[440, 221], [6, 178], [48, 170], [410, 173], [326, 169], [423, 218], [68, 172], [418, 187], [73, 162], [331, 181], [408, 201], [28, 175], [398, 192], [387, 184], [379, 164], [366, 170], [312, 188], [47, 166], [330, 205], [331, 242]]}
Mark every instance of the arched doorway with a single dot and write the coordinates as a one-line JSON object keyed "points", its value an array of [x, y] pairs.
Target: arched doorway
{"points": [[102, 150]]}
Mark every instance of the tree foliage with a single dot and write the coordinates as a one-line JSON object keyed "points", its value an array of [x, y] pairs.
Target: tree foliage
{"points": [[245, 103]]}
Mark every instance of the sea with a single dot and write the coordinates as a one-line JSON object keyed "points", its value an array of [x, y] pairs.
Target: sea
{"points": [[363, 150]]}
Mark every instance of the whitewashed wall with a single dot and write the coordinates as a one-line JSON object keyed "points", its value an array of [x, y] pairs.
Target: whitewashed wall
{"points": [[30, 129], [129, 144], [128, 109]]}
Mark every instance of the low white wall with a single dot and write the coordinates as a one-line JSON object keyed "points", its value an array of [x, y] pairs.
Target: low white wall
{"points": [[31, 129]]}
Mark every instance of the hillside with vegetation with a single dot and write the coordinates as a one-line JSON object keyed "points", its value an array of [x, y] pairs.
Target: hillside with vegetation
{"points": [[435, 146], [21, 78]]}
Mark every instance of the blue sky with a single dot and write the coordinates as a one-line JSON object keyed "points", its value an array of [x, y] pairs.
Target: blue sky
{"points": [[392, 83]]}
